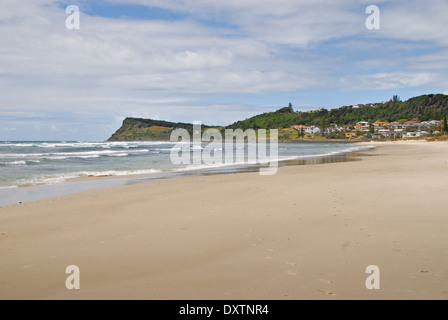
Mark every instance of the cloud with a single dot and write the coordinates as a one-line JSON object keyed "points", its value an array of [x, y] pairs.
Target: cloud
{"points": [[176, 68], [386, 81]]}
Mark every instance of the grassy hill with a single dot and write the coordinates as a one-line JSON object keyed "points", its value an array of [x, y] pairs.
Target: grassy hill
{"points": [[422, 108], [136, 129]]}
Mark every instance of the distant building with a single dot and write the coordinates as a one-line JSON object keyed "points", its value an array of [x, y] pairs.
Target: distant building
{"points": [[411, 123], [381, 124], [307, 129], [416, 134], [394, 134], [312, 130], [396, 125], [363, 126]]}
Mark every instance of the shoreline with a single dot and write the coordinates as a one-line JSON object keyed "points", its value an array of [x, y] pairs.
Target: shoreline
{"points": [[308, 232], [26, 193]]}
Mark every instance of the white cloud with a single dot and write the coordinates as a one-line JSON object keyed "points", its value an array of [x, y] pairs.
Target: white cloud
{"points": [[118, 67], [386, 81]]}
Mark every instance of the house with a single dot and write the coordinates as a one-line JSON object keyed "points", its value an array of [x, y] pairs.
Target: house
{"points": [[435, 123], [363, 126], [377, 136], [416, 134], [355, 107], [334, 127], [411, 123], [396, 125], [312, 130], [432, 123], [381, 124], [307, 129], [393, 134]]}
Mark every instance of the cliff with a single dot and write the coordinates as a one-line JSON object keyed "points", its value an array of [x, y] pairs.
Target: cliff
{"points": [[136, 129]]}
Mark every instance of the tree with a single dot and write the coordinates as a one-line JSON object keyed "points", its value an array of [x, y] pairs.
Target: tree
{"points": [[396, 99], [290, 107], [302, 132], [323, 125], [445, 125]]}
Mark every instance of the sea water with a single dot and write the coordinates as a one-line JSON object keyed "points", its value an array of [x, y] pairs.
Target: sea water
{"points": [[42, 164]]}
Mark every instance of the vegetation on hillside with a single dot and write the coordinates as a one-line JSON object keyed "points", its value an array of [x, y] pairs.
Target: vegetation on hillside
{"points": [[135, 129], [422, 108]]}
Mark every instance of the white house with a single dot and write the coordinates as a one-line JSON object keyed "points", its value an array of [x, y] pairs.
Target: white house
{"points": [[312, 130], [416, 134]]}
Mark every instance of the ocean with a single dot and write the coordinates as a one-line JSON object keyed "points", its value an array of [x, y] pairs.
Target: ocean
{"points": [[28, 170]]}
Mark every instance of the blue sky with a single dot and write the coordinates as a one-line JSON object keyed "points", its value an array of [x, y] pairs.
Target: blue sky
{"points": [[210, 61]]}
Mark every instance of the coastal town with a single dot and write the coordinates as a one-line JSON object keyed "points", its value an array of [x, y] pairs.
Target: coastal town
{"points": [[375, 130]]}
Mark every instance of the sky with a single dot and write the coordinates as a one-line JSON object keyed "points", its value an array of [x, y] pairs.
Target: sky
{"points": [[211, 61]]}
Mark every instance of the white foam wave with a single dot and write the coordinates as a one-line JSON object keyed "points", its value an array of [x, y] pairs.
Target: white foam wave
{"points": [[14, 163], [118, 155], [10, 187], [59, 178], [65, 155]]}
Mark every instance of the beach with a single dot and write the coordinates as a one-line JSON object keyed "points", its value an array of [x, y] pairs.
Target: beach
{"points": [[308, 232]]}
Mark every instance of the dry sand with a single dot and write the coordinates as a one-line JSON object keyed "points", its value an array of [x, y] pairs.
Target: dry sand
{"points": [[308, 232]]}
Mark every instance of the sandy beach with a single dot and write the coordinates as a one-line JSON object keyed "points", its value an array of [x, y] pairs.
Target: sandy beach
{"points": [[308, 232]]}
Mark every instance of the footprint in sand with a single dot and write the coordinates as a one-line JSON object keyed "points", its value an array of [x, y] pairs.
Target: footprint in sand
{"points": [[3, 236], [268, 257], [290, 273], [292, 264], [327, 292], [326, 281]]}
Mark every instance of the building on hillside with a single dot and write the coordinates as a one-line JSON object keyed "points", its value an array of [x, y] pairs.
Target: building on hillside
{"points": [[416, 134], [396, 125], [411, 123], [307, 129], [363, 126], [393, 134], [381, 124], [432, 123], [312, 130]]}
